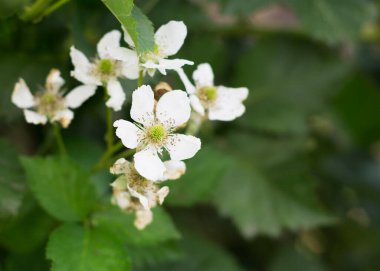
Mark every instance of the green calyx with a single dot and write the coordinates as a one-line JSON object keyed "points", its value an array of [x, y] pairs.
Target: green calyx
{"points": [[106, 66], [157, 133], [209, 93]]}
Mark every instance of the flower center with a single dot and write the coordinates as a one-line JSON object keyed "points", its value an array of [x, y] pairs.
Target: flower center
{"points": [[49, 103], [106, 66], [208, 94], [157, 133]]}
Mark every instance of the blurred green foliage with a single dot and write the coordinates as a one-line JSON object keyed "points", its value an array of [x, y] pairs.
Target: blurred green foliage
{"points": [[293, 184]]}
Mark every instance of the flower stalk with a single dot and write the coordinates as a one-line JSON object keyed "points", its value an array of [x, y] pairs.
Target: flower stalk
{"points": [[59, 139], [141, 78]]}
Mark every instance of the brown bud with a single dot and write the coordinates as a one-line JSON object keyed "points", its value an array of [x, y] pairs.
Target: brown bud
{"points": [[160, 89]]}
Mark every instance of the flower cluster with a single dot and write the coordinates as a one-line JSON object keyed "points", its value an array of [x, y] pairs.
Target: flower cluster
{"points": [[157, 116], [134, 193]]}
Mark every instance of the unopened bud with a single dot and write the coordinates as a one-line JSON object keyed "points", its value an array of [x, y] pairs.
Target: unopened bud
{"points": [[160, 89]]}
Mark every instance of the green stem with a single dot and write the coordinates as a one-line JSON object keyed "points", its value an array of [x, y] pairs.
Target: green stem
{"points": [[47, 143], [141, 78], [102, 163], [33, 12], [58, 137], [194, 124], [54, 7], [109, 133], [124, 154]]}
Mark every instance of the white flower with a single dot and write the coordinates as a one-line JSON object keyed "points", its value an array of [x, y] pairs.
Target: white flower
{"points": [[154, 131], [111, 63], [146, 191], [132, 192], [50, 104], [168, 39], [219, 102]]}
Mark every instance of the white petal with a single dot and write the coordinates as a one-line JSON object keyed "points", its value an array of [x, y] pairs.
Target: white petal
{"points": [[129, 59], [123, 199], [239, 93], [34, 117], [228, 104], [127, 38], [181, 147], [82, 68], [21, 95], [54, 81], [123, 54], [79, 95], [203, 76], [117, 95], [131, 70], [149, 165], [120, 184], [143, 200], [162, 193], [167, 64], [174, 169], [143, 218], [197, 105], [173, 108], [170, 37], [226, 112], [128, 133], [190, 88], [109, 41], [64, 117], [120, 166], [142, 105]]}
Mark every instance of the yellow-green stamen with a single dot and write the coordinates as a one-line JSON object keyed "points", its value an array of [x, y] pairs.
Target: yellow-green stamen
{"points": [[106, 66], [209, 93], [157, 133]]}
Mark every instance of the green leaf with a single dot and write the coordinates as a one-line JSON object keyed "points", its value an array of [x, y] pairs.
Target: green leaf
{"points": [[363, 124], [332, 20], [28, 230], [62, 187], [121, 225], [156, 243], [289, 260], [200, 179], [200, 254], [139, 27], [272, 195], [121, 9], [281, 75], [74, 248], [145, 256], [33, 261], [12, 181]]}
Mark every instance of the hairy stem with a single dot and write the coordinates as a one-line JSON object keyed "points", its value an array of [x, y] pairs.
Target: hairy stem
{"points": [[58, 137], [141, 78]]}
